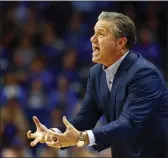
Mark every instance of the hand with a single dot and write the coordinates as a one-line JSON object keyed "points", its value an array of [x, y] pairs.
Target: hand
{"points": [[39, 135], [68, 138]]}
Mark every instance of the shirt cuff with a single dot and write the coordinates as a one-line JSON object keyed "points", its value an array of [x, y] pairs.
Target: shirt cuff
{"points": [[56, 130], [91, 138]]}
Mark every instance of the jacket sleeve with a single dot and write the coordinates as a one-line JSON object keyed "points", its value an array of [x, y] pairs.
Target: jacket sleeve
{"points": [[89, 113], [144, 91]]}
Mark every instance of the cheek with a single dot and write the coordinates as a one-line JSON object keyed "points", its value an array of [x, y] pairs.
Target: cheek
{"points": [[107, 46]]}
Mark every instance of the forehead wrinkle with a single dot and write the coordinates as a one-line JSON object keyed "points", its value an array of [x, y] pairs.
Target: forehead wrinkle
{"points": [[99, 29], [103, 26]]}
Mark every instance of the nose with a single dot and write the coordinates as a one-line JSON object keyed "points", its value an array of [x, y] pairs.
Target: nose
{"points": [[93, 39]]}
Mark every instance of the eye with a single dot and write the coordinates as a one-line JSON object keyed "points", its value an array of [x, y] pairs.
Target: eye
{"points": [[101, 34]]}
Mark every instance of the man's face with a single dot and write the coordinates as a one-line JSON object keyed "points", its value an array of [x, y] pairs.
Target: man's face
{"points": [[104, 43]]}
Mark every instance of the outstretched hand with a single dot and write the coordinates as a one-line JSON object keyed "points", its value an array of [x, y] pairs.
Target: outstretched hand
{"points": [[39, 135], [68, 138]]}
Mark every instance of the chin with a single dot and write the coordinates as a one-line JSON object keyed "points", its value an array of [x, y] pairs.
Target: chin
{"points": [[96, 60]]}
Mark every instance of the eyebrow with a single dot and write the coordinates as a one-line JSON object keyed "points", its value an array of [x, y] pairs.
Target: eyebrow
{"points": [[100, 29]]}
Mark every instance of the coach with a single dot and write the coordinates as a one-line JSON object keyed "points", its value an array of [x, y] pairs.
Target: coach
{"points": [[124, 87]]}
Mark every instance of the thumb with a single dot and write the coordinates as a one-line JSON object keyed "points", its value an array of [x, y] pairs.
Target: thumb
{"points": [[34, 143], [66, 122], [37, 122]]}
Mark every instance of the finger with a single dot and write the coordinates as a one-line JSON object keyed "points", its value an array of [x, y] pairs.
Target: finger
{"points": [[50, 143], [66, 122], [53, 144], [30, 135], [33, 143], [54, 134], [48, 138], [36, 121]]}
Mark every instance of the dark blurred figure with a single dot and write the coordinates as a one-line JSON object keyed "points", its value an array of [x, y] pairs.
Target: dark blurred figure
{"points": [[13, 122], [63, 97], [53, 45], [149, 47], [4, 60], [8, 152], [11, 89], [24, 53], [47, 152], [30, 27], [76, 32], [70, 69], [69, 64], [37, 102], [39, 71]]}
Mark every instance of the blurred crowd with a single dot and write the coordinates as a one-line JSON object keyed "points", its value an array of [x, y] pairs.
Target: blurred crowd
{"points": [[45, 54]]}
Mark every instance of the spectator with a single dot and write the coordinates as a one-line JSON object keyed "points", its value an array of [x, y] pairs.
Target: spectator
{"points": [[11, 89], [4, 63], [24, 53], [76, 32], [69, 62], [38, 71], [63, 97], [8, 152], [149, 48], [14, 121], [37, 102], [53, 45]]}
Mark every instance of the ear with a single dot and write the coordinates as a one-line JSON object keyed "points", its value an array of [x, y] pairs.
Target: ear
{"points": [[121, 42]]}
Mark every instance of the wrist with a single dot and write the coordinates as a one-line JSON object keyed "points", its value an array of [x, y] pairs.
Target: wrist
{"points": [[52, 129], [86, 137]]}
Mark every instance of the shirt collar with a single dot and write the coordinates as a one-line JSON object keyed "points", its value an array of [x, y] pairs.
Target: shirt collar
{"points": [[113, 68]]}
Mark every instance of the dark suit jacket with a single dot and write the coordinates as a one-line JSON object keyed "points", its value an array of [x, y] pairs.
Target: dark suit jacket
{"points": [[136, 110]]}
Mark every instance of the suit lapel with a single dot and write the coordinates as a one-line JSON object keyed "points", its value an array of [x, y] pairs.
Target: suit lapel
{"points": [[118, 78]]}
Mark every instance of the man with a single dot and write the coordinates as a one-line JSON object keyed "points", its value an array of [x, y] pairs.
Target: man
{"points": [[124, 87]]}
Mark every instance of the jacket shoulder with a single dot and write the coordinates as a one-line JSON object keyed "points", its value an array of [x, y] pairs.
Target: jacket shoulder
{"points": [[143, 63], [143, 66]]}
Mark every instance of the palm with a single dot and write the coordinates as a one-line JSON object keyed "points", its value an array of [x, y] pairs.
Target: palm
{"points": [[71, 133], [68, 138], [39, 135]]}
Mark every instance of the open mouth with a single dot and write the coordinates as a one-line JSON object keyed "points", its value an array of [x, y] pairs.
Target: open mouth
{"points": [[96, 49]]}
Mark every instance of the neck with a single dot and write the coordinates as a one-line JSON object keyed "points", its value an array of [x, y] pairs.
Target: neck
{"points": [[117, 56]]}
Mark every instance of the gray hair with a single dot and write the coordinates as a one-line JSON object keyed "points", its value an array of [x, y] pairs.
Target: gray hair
{"points": [[122, 26]]}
